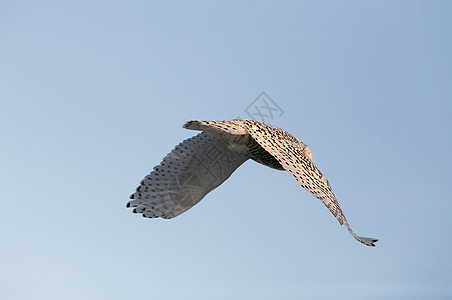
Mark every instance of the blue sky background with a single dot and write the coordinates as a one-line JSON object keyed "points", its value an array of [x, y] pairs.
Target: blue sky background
{"points": [[93, 94]]}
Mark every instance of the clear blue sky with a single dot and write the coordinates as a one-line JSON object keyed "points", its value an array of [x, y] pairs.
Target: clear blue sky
{"points": [[94, 93]]}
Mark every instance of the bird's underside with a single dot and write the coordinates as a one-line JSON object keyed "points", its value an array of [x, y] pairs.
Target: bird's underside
{"points": [[201, 163]]}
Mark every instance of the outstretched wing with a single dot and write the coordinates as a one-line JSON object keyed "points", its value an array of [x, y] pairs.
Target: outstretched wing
{"points": [[190, 171], [293, 156]]}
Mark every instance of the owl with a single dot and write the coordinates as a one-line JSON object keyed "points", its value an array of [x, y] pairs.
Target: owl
{"points": [[201, 163]]}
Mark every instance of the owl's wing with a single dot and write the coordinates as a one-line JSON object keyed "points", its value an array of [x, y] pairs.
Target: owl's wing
{"points": [[289, 152], [190, 171]]}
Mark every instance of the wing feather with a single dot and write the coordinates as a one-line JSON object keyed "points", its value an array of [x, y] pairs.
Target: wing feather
{"points": [[282, 145], [296, 158], [190, 171]]}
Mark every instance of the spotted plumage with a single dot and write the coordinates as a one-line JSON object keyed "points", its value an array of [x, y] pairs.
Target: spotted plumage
{"points": [[201, 163]]}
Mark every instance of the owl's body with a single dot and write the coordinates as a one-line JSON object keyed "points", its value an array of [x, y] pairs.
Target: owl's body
{"points": [[201, 163]]}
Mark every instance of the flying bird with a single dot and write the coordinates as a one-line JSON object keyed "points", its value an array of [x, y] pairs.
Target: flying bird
{"points": [[201, 163]]}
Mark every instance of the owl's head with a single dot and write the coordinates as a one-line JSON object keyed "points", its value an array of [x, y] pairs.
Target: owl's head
{"points": [[308, 152]]}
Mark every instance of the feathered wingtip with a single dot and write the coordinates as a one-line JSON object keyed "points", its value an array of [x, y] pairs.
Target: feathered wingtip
{"points": [[217, 127], [193, 125], [365, 240]]}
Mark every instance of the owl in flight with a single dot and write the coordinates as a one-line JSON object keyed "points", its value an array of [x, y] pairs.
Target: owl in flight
{"points": [[201, 163]]}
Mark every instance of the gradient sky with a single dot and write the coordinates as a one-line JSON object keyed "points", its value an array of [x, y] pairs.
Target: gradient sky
{"points": [[93, 94]]}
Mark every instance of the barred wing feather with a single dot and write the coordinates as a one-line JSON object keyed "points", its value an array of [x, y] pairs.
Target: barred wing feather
{"points": [[190, 171], [296, 158]]}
